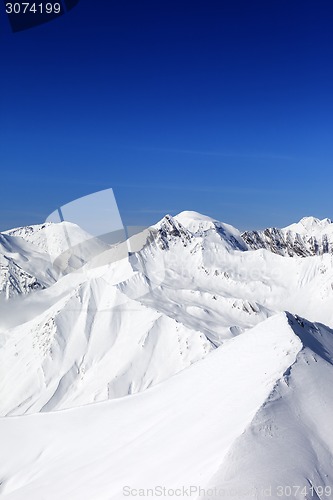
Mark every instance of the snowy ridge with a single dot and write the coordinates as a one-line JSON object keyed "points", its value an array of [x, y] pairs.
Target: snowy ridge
{"points": [[117, 436], [34, 257], [198, 224], [67, 245], [94, 344], [311, 226], [308, 237], [50, 238], [291, 431], [180, 336], [23, 268], [15, 281], [133, 321], [189, 225]]}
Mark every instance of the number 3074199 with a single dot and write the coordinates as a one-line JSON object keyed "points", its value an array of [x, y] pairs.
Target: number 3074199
{"points": [[35, 8]]}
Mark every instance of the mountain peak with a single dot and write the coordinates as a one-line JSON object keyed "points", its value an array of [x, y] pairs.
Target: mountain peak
{"points": [[188, 214], [310, 221], [311, 226], [310, 236], [188, 225]]}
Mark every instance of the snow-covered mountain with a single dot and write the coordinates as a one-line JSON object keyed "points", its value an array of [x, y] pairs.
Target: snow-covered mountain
{"points": [[92, 344], [23, 268], [254, 413], [308, 237], [34, 257], [67, 245], [190, 337], [187, 225]]}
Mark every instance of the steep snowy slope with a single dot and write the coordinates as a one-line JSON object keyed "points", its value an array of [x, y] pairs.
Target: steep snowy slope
{"points": [[311, 226], [23, 268], [92, 344], [189, 225], [177, 433], [182, 273], [143, 320], [308, 237], [125, 322], [287, 450], [34, 257], [199, 224], [201, 277], [67, 245]]}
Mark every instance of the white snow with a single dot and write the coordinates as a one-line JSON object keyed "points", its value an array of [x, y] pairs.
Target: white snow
{"points": [[53, 239], [170, 360], [174, 434], [311, 226]]}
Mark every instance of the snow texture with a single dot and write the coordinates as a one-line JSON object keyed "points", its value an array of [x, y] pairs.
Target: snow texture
{"points": [[191, 356]]}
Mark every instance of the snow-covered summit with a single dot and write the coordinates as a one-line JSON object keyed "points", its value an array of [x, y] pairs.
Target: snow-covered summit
{"points": [[188, 218], [23, 267], [190, 226], [310, 236], [52, 238], [66, 244], [311, 226], [198, 224], [191, 327]]}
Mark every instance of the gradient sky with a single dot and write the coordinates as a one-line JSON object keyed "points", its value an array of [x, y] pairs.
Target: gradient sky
{"points": [[223, 107]]}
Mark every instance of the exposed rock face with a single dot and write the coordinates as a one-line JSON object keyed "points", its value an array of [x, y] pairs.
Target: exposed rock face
{"points": [[15, 281], [169, 229], [22, 269], [307, 238]]}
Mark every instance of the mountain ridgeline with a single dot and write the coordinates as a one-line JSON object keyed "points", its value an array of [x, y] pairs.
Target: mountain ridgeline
{"points": [[189, 332], [307, 238]]}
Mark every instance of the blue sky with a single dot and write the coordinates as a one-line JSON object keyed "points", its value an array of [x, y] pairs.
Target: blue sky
{"points": [[223, 107]]}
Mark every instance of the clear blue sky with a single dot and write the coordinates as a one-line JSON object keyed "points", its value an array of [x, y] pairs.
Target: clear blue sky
{"points": [[223, 107]]}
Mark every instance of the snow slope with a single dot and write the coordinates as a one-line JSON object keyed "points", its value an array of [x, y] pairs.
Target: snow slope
{"points": [[198, 224], [203, 276], [174, 434], [35, 257], [23, 268], [181, 337], [311, 226], [67, 245], [287, 449], [124, 322], [91, 345]]}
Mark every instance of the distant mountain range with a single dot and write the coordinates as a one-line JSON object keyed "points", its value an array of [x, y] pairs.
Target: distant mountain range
{"points": [[308, 237]]}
